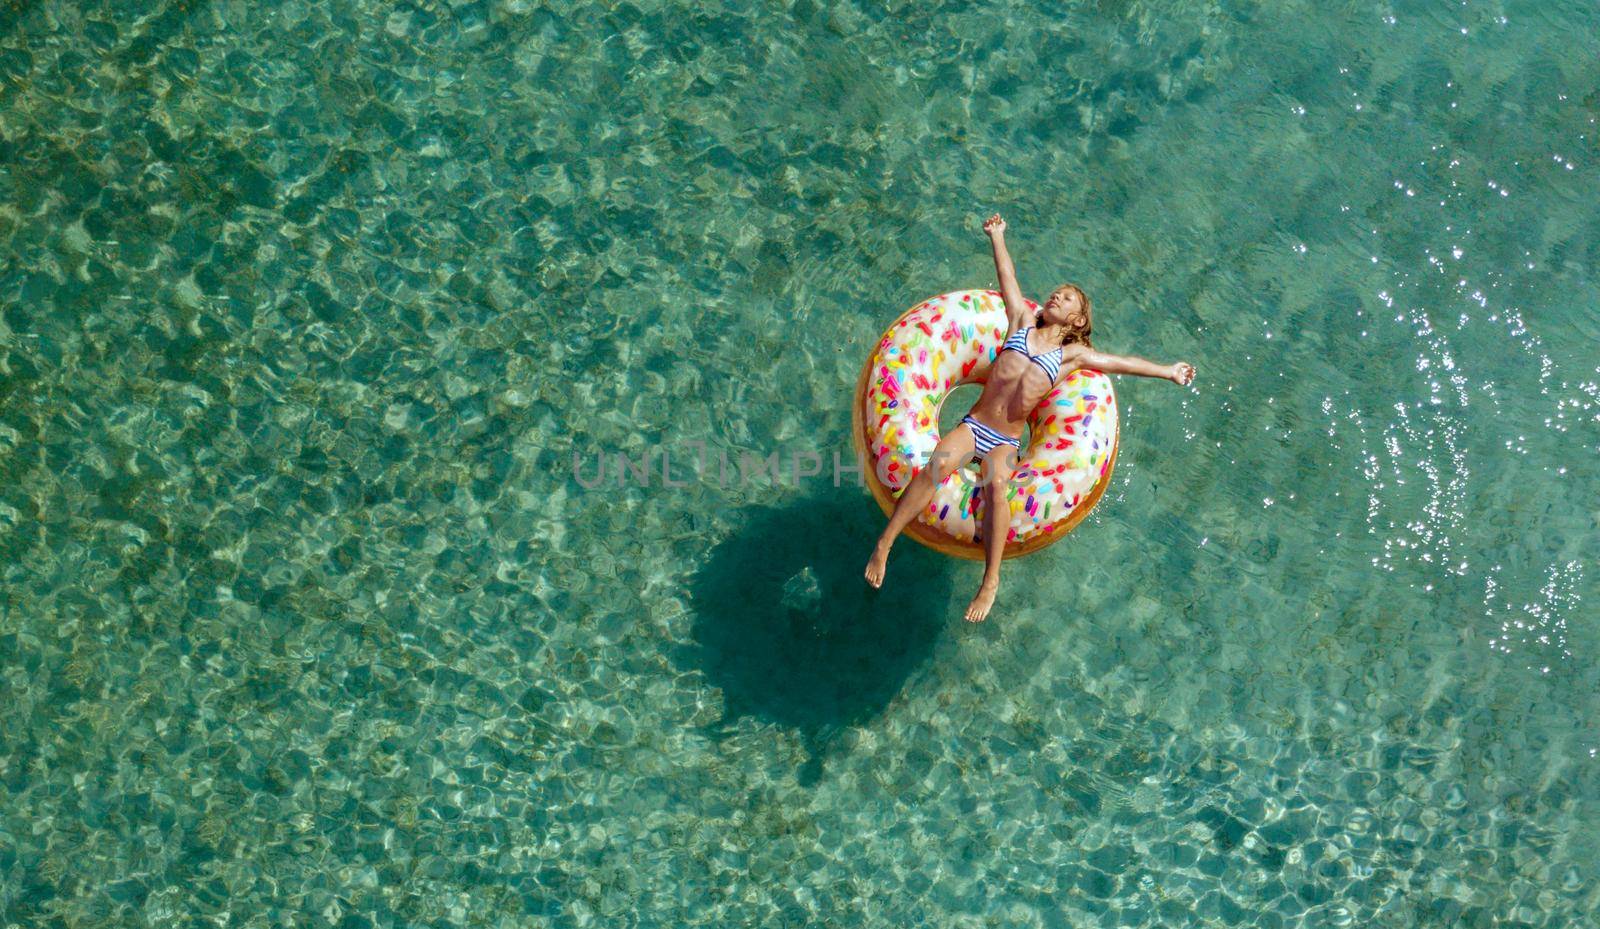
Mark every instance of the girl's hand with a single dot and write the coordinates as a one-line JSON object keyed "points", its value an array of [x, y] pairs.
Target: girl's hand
{"points": [[1182, 373], [994, 226]]}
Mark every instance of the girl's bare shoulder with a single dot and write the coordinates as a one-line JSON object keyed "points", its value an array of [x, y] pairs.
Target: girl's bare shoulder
{"points": [[1075, 353]]}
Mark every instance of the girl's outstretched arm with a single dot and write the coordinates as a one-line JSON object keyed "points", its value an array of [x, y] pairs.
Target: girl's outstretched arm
{"points": [[1016, 305], [1181, 372]]}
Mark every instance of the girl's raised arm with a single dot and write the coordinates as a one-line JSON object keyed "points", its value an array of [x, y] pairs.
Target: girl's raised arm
{"points": [[1016, 305]]}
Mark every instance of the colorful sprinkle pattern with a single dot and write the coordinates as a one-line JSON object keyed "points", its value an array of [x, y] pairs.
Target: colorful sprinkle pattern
{"points": [[951, 340]]}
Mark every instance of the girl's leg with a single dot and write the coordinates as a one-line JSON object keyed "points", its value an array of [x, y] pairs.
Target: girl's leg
{"points": [[997, 468], [951, 453]]}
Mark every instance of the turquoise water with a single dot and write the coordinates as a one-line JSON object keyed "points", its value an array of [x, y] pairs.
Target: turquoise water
{"points": [[306, 618]]}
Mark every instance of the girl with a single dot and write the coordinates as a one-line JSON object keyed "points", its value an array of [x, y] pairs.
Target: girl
{"points": [[1035, 353]]}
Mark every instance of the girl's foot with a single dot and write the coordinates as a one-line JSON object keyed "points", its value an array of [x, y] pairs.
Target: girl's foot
{"points": [[877, 564], [978, 609]]}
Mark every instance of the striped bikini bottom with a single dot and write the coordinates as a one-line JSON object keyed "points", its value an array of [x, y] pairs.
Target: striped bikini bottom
{"points": [[987, 439]]}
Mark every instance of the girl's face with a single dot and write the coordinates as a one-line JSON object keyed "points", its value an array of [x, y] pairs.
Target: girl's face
{"points": [[1064, 307]]}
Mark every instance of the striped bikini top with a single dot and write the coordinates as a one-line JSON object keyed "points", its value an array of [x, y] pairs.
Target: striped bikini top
{"points": [[1050, 361]]}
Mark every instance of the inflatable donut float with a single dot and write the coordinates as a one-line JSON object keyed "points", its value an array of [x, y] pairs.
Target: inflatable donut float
{"points": [[940, 344]]}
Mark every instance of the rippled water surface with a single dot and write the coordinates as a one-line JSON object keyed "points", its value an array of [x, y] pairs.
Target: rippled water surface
{"points": [[308, 308]]}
